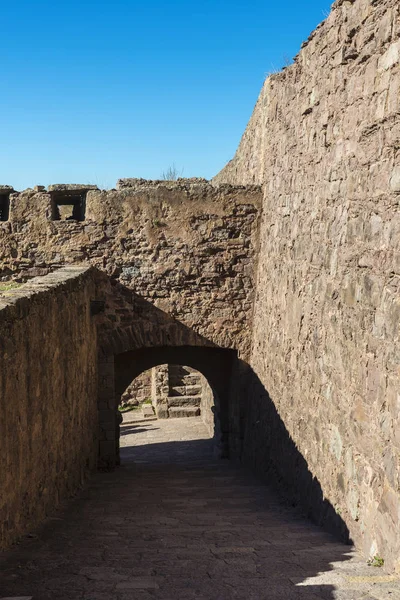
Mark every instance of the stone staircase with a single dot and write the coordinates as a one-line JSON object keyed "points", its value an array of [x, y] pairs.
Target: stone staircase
{"points": [[184, 398]]}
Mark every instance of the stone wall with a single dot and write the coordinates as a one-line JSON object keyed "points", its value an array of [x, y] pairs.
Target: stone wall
{"points": [[160, 390], [188, 247], [48, 396], [324, 140], [207, 409], [138, 391]]}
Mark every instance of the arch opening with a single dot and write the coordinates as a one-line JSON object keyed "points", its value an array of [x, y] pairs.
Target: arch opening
{"points": [[175, 382], [169, 391], [175, 398]]}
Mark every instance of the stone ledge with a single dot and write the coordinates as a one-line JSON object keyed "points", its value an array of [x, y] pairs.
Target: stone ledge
{"points": [[181, 184], [133, 182], [20, 298], [71, 187]]}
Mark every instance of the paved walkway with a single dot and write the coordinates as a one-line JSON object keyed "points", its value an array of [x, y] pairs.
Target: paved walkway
{"points": [[173, 523]]}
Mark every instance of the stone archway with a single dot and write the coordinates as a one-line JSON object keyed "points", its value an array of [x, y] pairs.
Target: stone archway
{"points": [[214, 363], [127, 352]]}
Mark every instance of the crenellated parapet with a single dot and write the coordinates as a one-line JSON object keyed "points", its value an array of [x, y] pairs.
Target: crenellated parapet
{"points": [[57, 202], [78, 202]]}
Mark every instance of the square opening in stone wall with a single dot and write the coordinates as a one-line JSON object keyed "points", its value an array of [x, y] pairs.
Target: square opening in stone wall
{"points": [[68, 207], [4, 207]]}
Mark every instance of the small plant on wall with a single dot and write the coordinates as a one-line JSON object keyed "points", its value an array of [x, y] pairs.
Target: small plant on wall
{"points": [[376, 561], [172, 173], [158, 223], [9, 285]]}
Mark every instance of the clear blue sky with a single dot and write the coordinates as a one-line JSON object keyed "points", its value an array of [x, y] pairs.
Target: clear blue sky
{"points": [[94, 91]]}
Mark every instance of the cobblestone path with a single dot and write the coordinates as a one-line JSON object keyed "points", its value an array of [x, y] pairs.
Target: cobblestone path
{"points": [[173, 523]]}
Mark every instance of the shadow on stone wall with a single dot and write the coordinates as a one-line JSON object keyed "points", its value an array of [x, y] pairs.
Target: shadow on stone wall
{"points": [[261, 442], [250, 423], [131, 322]]}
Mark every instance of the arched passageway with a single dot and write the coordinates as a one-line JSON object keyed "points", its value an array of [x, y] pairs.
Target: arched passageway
{"points": [[172, 407], [117, 370], [215, 364]]}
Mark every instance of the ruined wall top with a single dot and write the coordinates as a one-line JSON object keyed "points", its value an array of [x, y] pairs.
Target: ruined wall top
{"points": [[81, 202], [187, 246], [187, 184], [75, 203]]}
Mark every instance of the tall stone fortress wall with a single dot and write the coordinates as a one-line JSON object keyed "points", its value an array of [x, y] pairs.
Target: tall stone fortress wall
{"points": [[324, 141], [188, 247]]}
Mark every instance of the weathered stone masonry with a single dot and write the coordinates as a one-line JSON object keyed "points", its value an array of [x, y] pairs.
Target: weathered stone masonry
{"points": [[48, 396], [315, 398], [324, 141], [180, 255], [188, 247]]}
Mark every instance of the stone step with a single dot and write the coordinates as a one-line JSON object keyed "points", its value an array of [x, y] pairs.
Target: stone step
{"points": [[183, 411], [193, 401], [185, 390]]}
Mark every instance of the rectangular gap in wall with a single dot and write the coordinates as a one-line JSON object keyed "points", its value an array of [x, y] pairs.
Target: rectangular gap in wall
{"points": [[4, 207], [68, 206]]}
